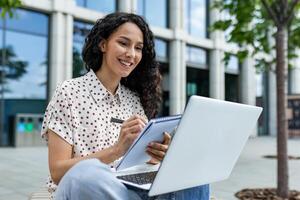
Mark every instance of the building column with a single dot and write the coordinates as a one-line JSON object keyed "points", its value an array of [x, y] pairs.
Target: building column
{"points": [[69, 46], [61, 39], [272, 103], [216, 64], [129, 6], [295, 75], [177, 77], [177, 60], [248, 83], [216, 74]]}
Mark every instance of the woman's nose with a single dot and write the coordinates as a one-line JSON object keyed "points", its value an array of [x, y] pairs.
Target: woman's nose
{"points": [[130, 52]]}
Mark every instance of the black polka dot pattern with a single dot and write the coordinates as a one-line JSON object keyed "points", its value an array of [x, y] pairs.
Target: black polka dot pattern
{"points": [[80, 113]]}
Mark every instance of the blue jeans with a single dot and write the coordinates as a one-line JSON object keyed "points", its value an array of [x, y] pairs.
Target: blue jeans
{"points": [[91, 179]]}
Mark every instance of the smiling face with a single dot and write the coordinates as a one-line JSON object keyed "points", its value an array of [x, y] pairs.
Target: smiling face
{"points": [[122, 51]]}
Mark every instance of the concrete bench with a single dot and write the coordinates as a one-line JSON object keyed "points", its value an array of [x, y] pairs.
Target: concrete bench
{"points": [[43, 194]]}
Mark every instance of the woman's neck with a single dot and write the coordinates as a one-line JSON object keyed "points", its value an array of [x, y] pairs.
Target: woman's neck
{"points": [[110, 83]]}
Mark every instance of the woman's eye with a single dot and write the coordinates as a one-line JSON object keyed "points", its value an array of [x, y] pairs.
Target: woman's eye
{"points": [[139, 48], [122, 43]]}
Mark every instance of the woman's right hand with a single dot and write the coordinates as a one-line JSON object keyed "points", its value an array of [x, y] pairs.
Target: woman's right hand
{"points": [[130, 129]]}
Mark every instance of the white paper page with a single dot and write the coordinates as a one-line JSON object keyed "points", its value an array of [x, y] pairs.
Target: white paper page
{"points": [[136, 154]]}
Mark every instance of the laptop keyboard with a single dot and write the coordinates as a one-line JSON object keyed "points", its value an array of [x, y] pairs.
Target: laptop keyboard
{"points": [[141, 178]]}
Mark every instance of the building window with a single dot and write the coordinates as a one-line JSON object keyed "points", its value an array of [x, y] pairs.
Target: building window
{"points": [[197, 72], [233, 65], [196, 57], [165, 107], [232, 79], [24, 51], [80, 31], [155, 12], [197, 82], [196, 15], [232, 87], [161, 49], [105, 6]]}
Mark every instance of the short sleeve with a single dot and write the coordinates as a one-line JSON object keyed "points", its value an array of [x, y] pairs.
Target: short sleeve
{"points": [[58, 117]]}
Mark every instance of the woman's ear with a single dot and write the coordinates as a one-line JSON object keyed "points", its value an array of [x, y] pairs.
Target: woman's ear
{"points": [[102, 46]]}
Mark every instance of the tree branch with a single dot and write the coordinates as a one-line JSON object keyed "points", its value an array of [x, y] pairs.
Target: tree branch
{"points": [[291, 11], [270, 12]]}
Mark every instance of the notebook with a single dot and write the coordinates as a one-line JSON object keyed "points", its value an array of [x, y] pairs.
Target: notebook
{"points": [[153, 131]]}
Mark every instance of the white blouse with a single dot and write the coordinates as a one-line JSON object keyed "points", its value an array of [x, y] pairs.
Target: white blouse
{"points": [[80, 112]]}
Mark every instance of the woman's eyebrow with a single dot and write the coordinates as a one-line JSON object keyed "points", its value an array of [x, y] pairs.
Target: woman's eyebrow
{"points": [[126, 38]]}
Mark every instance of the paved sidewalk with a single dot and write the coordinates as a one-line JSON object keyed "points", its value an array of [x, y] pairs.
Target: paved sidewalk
{"points": [[252, 170], [24, 170]]}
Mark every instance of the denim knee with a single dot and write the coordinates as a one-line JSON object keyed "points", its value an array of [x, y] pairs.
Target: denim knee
{"points": [[196, 193], [92, 179]]}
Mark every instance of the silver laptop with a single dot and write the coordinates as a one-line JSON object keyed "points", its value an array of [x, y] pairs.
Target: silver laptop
{"points": [[204, 148]]}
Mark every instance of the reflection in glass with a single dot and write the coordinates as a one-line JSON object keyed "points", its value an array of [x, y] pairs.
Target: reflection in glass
{"points": [[161, 48], [24, 22], [27, 67], [81, 3], [12, 69], [196, 55], [233, 63], [165, 107], [196, 17], [81, 29], [197, 82], [155, 12], [105, 6]]}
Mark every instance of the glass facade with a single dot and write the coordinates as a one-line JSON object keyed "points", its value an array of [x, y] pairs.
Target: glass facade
{"points": [[162, 54], [197, 57], [155, 12], [232, 87], [196, 17], [197, 82], [24, 51], [197, 72], [161, 49], [233, 65], [165, 107], [105, 6], [232, 80], [80, 30]]}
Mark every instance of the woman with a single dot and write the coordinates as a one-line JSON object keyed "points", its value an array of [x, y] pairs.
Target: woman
{"points": [[123, 82]]}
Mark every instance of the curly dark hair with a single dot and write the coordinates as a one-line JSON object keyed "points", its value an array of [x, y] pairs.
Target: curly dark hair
{"points": [[145, 79]]}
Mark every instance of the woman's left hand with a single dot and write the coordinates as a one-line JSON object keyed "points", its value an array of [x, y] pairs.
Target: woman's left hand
{"points": [[157, 150]]}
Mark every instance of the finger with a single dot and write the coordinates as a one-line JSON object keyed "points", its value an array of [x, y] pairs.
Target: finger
{"points": [[130, 137], [136, 129], [158, 146], [133, 122], [144, 120], [154, 158], [153, 161], [129, 120], [157, 153], [126, 132], [167, 138]]}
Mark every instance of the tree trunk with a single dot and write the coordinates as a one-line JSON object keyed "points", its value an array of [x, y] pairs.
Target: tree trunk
{"points": [[282, 133]]}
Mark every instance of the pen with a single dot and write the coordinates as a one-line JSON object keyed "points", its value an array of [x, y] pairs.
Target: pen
{"points": [[116, 120]]}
